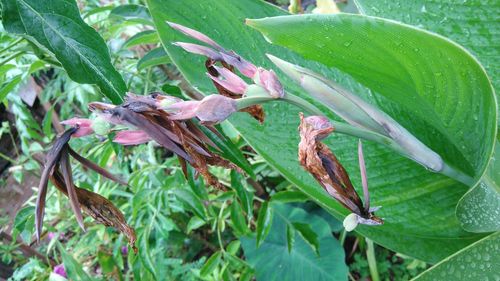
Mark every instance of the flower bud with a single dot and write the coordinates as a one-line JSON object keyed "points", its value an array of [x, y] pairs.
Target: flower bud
{"points": [[84, 126], [231, 82], [269, 80], [195, 34], [350, 222], [131, 137], [100, 126], [60, 270], [199, 50]]}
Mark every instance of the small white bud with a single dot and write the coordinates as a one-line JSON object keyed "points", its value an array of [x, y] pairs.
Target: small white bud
{"points": [[350, 222]]}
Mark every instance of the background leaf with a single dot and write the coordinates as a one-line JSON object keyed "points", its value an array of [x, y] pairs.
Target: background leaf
{"points": [[418, 205], [273, 261], [58, 26], [133, 13], [479, 261], [154, 57]]}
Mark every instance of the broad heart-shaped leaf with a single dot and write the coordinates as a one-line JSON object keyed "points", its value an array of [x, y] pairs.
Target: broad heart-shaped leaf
{"points": [[479, 261], [473, 24], [58, 26], [272, 260], [418, 206]]}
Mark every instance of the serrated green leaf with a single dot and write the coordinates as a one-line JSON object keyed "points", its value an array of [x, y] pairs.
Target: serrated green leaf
{"points": [[264, 222], [154, 57], [211, 264], [58, 26], [74, 270], [194, 223], [192, 201], [238, 219]]}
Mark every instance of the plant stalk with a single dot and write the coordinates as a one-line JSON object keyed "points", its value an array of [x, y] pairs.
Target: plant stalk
{"points": [[350, 130], [372, 261]]}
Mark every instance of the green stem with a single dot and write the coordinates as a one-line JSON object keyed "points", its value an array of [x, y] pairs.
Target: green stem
{"points": [[11, 45], [350, 130], [219, 218], [343, 234], [14, 55], [7, 158], [372, 261]]}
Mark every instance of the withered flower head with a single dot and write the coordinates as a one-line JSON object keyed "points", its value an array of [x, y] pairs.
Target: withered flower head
{"points": [[57, 169], [320, 161], [210, 110], [167, 121]]}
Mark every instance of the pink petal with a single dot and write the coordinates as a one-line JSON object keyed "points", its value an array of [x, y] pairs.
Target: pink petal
{"points": [[199, 50], [271, 83], [182, 110], [59, 270], [195, 34], [246, 68], [232, 81], [131, 137], [84, 126], [214, 109]]}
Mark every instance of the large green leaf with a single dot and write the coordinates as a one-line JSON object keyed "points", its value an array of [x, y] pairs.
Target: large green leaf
{"points": [[58, 26], [411, 70], [418, 206], [479, 209], [473, 24], [479, 261], [273, 260]]}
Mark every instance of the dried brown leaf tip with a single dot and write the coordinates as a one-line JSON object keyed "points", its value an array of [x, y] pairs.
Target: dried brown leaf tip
{"points": [[320, 161], [57, 168], [169, 122]]}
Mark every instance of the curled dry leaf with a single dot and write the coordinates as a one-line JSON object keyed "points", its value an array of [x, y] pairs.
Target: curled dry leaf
{"points": [[99, 208]]}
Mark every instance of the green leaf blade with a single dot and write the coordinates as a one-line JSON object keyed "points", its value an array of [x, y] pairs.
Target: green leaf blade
{"points": [[58, 26]]}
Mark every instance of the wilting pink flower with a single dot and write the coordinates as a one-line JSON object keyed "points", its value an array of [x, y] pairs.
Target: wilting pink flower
{"points": [[212, 109], [124, 250], [269, 80], [231, 82], [131, 137], [59, 270], [195, 34], [219, 54], [320, 124], [84, 126]]}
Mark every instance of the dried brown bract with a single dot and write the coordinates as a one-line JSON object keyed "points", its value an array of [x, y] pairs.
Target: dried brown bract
{"points": [[320, 161], [57, 168]]}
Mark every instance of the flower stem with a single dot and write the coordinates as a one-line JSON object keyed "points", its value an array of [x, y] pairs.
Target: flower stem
{"points": [[372, 261], [351, 130]]}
